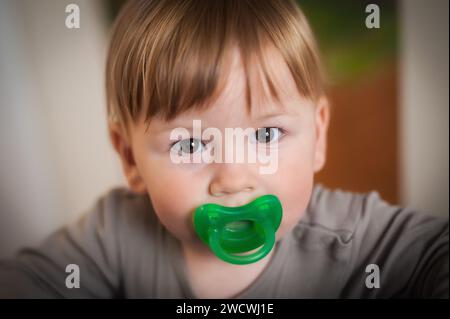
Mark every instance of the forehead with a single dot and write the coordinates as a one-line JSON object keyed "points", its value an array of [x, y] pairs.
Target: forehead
{"points": [[252, 80], [229, 105]]}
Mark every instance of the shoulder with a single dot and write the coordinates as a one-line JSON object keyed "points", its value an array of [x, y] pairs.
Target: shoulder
{"points": [[120, 199], [349, 214], [335, 210], [122, 211]]}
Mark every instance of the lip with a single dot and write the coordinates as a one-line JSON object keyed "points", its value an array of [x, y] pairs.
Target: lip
{"points": [[237, 203]]}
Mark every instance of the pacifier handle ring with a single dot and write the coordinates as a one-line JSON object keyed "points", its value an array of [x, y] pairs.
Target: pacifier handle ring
{"points": [[214, 242]]}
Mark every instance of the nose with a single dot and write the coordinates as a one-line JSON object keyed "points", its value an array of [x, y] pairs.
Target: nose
{"points": [[231, 179]]}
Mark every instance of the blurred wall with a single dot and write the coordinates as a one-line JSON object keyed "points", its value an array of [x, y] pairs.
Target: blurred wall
{"points": [[362, 72], [424, 105], [55, 156]]}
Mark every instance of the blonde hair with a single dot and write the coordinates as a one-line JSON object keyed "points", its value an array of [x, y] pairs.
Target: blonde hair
{"points": [[168, 56]]}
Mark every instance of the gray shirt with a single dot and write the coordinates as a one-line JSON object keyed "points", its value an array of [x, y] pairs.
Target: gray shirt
{"points": [[122, 250]]}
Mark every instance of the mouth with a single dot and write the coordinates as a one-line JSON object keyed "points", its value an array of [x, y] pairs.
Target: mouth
{"points": [[235, 232]]}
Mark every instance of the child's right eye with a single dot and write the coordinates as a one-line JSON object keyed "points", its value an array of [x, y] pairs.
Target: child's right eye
{"points": [[188, 146]]}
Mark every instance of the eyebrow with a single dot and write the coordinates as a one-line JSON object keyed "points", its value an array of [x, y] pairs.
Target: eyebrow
{"points": [[173, 126], [276, 114]]}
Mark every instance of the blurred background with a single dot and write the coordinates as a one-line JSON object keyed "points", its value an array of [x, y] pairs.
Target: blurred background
{"points": [[388, 89]]}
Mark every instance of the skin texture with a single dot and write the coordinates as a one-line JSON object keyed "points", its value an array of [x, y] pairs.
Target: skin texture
{"points": [[176, 190]]}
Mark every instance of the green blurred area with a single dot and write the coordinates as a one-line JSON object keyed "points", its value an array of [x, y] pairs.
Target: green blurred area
{"points": [[112, 7], [349, 48]]}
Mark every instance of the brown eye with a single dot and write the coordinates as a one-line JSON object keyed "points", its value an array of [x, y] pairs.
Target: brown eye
{"points": [[267, 134]]}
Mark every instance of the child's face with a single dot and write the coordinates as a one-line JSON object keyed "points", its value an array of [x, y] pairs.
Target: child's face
{"points": [[176, 189]]}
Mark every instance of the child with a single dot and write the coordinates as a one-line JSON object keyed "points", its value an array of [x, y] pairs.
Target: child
{"points": [[228, 64]]}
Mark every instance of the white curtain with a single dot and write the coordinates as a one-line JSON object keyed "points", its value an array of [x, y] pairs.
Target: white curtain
{"points": [[54, 150], [424, 105]]}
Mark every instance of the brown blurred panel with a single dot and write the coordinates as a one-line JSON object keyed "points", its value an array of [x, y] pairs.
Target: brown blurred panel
{"points": [[362, 138]]}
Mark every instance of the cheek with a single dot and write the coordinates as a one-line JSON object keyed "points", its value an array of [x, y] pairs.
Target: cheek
{"points": [[293, 184], [173, 193]]}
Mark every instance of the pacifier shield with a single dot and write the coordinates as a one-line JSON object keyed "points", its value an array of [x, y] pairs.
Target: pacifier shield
{"points": [[235, 230]]}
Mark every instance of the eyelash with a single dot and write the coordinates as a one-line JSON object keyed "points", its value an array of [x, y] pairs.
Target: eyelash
{"points": [[175, 142], [282, 132]]}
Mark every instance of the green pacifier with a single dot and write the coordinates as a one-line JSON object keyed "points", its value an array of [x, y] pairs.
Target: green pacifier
{"points": [[232, 231]]}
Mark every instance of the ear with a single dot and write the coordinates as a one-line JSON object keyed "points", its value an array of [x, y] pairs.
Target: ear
{"points": [[122, 145], [322, 118]]}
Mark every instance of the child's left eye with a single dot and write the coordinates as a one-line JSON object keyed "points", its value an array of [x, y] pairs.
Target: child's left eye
{"points": [[266, 135]]}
